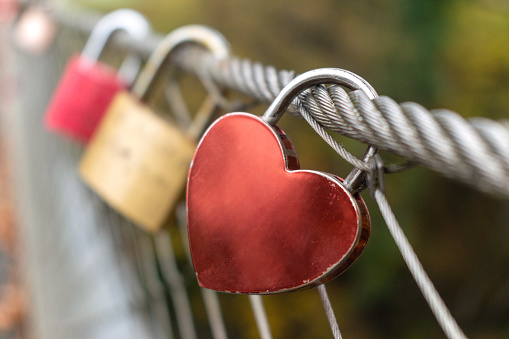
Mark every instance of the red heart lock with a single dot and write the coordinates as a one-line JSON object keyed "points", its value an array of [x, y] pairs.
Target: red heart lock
{"points": [[258, 224]]}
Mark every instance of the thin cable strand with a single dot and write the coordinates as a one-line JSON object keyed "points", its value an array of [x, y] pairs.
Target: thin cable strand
{"points": [[428, 290], [324, 296]]}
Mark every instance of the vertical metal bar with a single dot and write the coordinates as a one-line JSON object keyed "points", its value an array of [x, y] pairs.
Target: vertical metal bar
{"points": [[68, 258], [155, 286], [210, 298], [260, 316], [132, 229], [177, 289], [214, 314]]}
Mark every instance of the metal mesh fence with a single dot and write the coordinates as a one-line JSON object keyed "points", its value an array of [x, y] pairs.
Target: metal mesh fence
{"points": [[81, 283]]}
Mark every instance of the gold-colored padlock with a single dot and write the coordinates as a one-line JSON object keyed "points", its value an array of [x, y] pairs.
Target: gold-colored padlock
{"points": [[137, 161]]}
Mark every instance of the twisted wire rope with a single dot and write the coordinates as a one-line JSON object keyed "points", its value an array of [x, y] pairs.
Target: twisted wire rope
{"points": [[474, 151]]}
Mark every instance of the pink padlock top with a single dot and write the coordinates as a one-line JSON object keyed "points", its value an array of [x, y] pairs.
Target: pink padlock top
{"points": [[83, 95]]}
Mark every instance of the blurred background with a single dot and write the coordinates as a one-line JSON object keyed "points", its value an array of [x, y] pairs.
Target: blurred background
{"points": [[442, 54]]}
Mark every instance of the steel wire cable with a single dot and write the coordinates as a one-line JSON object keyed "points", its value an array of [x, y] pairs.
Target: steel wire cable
{"points": [[428, 290], [329, 312], [473, 151]]}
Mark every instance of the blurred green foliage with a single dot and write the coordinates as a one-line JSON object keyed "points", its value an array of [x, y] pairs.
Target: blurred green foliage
{"points": [[452, 54]]}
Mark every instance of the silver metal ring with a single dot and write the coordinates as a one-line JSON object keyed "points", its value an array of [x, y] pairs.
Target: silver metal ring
{"points": [[205, 36], [132, 22], [355, 180]]}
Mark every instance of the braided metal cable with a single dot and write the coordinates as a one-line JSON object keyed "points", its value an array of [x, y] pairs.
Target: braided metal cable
{"points": [[474, 151]]}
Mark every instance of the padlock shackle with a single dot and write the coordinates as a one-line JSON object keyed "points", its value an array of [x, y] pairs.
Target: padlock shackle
{"points": [[311, 78], [321, 76], [150, 75], [128, 20]]}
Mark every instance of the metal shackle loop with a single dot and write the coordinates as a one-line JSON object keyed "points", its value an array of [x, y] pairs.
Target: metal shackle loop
{"points": [[159, 60], [311, 78], [321, 76], [128, 20]]}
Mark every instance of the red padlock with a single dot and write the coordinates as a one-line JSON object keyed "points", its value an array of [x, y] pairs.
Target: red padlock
{"points": [[88, 86], [257, 223]]}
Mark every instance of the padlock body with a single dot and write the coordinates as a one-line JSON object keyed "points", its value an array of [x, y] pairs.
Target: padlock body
{"points": [[138, 162], [81, 98], [257, 223]]}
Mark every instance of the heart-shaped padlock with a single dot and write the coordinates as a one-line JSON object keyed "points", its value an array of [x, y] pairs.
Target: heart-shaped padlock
{"points": [[259, 225], [87, 86], [137, 161]]}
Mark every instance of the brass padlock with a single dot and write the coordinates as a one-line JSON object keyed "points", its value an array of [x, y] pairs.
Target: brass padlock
{"points": [[137, 161]]}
